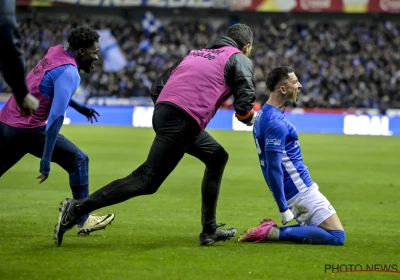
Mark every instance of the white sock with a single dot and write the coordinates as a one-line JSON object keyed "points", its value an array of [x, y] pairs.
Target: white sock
{"points": [[273, 234]]}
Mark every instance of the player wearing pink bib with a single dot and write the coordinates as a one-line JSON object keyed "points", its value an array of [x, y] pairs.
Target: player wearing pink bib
{"points": [[53, 81], [186, 98]]}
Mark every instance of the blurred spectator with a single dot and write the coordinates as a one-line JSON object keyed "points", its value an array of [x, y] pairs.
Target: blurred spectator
{"points": [[339, 66]]}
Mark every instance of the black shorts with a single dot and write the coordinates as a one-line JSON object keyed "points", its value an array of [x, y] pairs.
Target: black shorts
{"points": [[17, 142], [181, 130], [177, 133]]}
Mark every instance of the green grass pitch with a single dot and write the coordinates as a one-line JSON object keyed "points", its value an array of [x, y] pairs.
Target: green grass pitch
{"points": [[156, 237]]}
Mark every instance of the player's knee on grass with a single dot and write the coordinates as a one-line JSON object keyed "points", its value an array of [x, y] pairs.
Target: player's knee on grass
{"points": [[309, 235], [339, 237]]}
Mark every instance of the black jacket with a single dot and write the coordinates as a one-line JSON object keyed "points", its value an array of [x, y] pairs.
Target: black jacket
{"points": [[239, 76], [11, 54]]}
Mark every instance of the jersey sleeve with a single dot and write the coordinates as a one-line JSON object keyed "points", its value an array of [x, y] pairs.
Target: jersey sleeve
{"points": [[275, 136], [64, 87], [274, 173], [47, 85], [241, 81], [274, 145]]}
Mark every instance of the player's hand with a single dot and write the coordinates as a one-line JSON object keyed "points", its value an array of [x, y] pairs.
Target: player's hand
{"points": [[91, 115], [44, 170], [287, 216], [29, 105]]}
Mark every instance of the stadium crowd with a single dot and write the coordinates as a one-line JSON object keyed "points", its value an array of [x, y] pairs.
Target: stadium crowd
{"points": [[340, 66]]}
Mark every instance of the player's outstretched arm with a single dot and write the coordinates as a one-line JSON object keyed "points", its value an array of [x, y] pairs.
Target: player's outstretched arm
{"points": [[90, 113], [275, 139], [241, 82], [159, 84], [64, 87]]}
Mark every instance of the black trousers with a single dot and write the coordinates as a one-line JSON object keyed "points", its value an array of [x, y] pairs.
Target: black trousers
{"points": [[17, 142], [176, 134]]}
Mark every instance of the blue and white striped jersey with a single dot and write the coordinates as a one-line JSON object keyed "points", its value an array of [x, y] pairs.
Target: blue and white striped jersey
{"points": [[276, 139]]}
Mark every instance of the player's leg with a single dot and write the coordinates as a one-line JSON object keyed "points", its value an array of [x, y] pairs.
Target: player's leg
{"points": [[173, 136], [13, 143], [332, 223], [269, 231], [175, 130], [308, 235], [321, 223], [73, 160], [214, 156]]}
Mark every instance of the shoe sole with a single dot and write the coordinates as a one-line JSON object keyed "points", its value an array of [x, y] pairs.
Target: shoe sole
{"points": [[58, 236], [86, 232], [58, 233]]}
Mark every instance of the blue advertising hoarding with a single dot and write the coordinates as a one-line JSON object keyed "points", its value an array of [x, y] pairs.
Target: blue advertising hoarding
{"points": [[225, 120]]}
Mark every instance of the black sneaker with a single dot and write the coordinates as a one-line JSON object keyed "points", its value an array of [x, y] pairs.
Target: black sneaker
{"points": [[66, 220], [219, 235]]}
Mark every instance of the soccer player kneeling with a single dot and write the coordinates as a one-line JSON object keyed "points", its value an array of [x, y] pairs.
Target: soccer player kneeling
{"points": [[286, 174]]}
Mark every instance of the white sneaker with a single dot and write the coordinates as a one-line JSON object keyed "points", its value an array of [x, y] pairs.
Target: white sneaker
{"points": [[93, 223]]}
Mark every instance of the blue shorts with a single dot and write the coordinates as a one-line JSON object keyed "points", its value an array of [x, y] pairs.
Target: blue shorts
{"points": [[17, 142]]}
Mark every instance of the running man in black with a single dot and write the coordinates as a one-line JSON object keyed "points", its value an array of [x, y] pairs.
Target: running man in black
{"points": [[186, 98]]}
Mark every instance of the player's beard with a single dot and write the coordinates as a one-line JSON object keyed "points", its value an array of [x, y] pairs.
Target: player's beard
{"points": [[88, 66], [294, 103], [85, 63], [289, 100]]}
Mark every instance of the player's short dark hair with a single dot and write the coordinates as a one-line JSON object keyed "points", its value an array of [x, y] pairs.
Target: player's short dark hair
{"points": [[241, 34], [276, 75], [82, 37]]}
